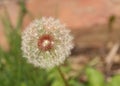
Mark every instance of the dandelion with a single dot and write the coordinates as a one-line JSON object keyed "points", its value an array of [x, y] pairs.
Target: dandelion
{"points": [[46, 43]]}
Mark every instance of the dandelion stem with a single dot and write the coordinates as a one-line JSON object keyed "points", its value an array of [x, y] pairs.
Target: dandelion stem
{"points": [[62, 75]]}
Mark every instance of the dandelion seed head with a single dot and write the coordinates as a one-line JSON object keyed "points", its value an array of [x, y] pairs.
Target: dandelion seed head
{"points": [[46, 43]]}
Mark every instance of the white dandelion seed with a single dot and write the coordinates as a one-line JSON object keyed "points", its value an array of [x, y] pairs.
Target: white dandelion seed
{"points": [[46, 43]]}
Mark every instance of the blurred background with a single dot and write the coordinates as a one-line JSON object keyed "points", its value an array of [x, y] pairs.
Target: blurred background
{"points": [[95, 25]]}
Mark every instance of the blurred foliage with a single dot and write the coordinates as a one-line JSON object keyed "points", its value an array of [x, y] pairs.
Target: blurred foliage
{"points": [[15, 71], [115, 81], [95, 78]]}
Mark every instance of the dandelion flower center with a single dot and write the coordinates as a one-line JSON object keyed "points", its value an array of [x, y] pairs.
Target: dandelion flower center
{"points": [[45, 42]]}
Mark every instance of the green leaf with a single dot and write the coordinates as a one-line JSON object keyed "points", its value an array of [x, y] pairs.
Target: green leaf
{"points": [[23, 84], [22, 14], [95, 78], [115, 81], [6, 25], [57, 83], [74, 82]]}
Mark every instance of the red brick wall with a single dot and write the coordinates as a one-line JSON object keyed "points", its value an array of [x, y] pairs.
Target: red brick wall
{"points": [[74, 13]]}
